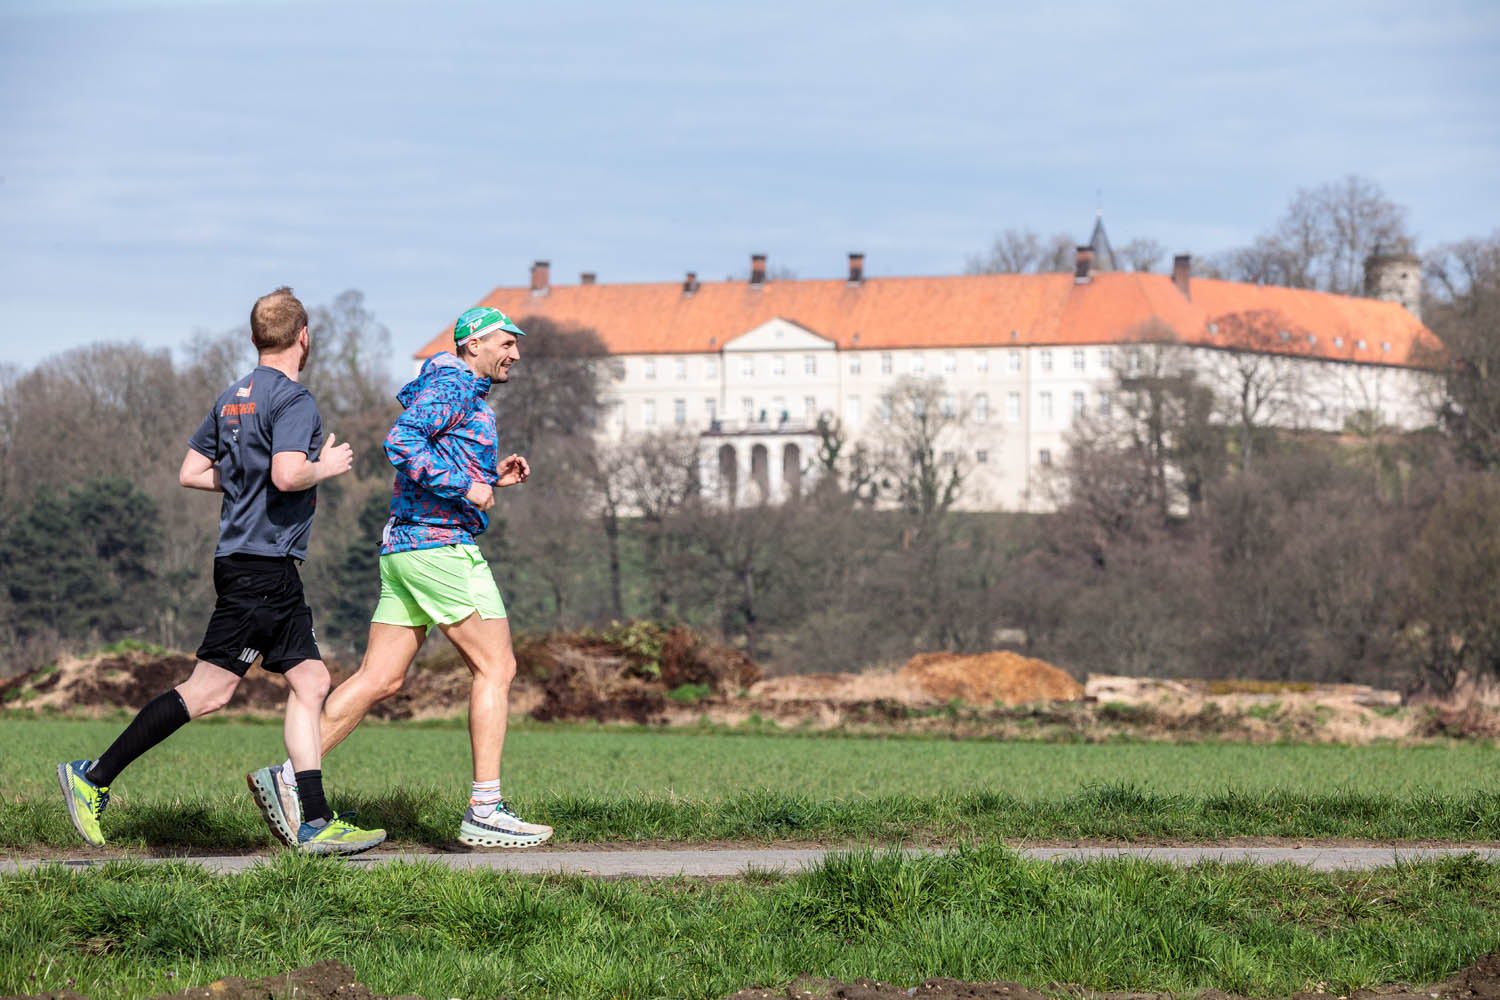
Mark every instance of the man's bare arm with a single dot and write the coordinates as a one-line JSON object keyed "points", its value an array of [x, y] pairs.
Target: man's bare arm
{"points": [[199, 472], [291, 471]]}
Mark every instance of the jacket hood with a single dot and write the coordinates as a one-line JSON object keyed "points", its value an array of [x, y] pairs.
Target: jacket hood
{"points": [[440, 368]]}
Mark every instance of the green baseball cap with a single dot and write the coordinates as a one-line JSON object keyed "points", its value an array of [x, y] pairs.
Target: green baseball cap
{"points": [[481, 321]]}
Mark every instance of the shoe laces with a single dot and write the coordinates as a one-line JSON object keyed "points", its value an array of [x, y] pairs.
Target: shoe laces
{"points": [[101, 801]]}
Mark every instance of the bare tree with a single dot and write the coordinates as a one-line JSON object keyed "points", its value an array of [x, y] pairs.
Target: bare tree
{"points": [[659, 478], [1142, 254], [556, 388], [920, 455], [1323, 238], [1259, 381], [1465, 315], [1022, 251]]}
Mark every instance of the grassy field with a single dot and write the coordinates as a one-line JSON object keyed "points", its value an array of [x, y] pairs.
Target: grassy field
{"points": [[982, 913], [612, 784]]}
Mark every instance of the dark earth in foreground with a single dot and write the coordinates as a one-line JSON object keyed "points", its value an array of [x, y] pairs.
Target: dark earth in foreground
{"points": [[332, 980]]}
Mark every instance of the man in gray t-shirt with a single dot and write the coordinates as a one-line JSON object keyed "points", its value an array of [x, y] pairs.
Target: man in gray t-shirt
{"points": [[262, 415], [262, 447]]}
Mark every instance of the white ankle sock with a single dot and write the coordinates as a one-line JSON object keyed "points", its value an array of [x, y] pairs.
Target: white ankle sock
{"points": [[485, 797]]}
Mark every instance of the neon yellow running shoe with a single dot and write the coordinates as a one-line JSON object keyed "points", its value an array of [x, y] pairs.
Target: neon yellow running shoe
{"points": [[85, 800], [338, 836]]}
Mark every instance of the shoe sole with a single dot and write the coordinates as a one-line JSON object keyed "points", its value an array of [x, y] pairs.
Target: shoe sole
{"points": [[339, 848], [476, 837], [270, 809], [72, 803]]}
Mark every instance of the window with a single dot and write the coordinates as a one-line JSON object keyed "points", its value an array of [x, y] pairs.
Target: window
{"points": [[648, 413], [1078, 360], [886, 364], [747, 367], [679, 368], [851, 410], [617, 412], [1104, 403], [809, 364], [1044, 456], [778, 365], [710, 367], [950, 405], [617, 368], [981, 456], [1133, 362], [650, 368], [1044, 361], [711, 408], [1013, 406], [981, 407], [1044, 406], [981, 362], [854, 364], [950, 363], [1106, 357], [885, 409], [918, 363], [778, 409], [1078, 404], [679, 411], [1014, 361], [748, 408], [810, 408], [948, 458]]}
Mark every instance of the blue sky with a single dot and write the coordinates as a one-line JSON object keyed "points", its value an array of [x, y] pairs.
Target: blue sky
{"points": [[165, 163]]}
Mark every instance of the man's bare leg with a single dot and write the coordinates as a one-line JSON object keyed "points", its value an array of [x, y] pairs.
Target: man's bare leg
{"points": [[309, 684], [388, 655], [484, 643]]}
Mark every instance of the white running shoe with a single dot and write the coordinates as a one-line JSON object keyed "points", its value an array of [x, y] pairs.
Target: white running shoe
{"points": [[278, 803], [501, 828]]}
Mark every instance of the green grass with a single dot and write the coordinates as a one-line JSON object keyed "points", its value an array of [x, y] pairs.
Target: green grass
{"points": [[980, 913], [692, 785]]}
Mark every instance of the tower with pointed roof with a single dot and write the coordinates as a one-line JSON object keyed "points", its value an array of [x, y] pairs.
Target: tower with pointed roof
{"points": [[1104, 254]]}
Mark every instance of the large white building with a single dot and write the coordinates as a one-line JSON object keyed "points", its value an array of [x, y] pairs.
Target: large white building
{"points": [[750, 365]]}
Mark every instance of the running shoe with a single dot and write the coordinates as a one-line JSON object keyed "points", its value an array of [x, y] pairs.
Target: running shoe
{"points": [[501, 828], [85, 800], [278, 803], [338, 836]]}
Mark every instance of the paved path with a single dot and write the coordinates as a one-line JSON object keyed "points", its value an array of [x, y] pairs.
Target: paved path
{"points": [[736, 862]]}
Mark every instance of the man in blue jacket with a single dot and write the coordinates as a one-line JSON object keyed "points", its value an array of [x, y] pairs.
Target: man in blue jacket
{"points": [[444, 448]]}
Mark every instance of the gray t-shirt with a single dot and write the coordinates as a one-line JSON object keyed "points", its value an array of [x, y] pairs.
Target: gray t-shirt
{"points": [[262, 414]]}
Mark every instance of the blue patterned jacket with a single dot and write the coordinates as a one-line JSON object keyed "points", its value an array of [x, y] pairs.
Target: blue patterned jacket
{"points": [[443, 442]]}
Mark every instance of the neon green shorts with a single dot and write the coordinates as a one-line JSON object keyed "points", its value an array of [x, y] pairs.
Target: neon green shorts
{"points": [[442, 585]]}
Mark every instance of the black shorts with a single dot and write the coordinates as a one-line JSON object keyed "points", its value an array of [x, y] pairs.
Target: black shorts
{"points": [[260, 613]]}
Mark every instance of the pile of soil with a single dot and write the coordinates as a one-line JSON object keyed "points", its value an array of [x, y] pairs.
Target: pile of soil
{"points": [[984, 679], [332, 980]]}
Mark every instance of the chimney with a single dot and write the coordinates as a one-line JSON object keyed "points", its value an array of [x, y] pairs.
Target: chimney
{"points": [[757, 269], [690, 283], [1083, 263], [856, 268], [1182, 274], [540, 277], [1395, 277], [587, 278]]}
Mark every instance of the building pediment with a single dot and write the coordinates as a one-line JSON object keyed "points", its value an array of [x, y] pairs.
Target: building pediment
{"points": [[779, 335]]}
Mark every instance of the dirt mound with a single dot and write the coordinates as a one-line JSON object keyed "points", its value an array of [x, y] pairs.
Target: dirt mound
{"points": [[986, 678], [126, 680], [627, 672]]}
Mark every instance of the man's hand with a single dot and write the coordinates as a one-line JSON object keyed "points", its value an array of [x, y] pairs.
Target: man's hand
{"points": [[480, 495], [513, 470], [334, 461]]}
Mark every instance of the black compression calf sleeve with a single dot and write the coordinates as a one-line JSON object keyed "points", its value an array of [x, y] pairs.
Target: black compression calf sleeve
{"points": [[310, 791], [162, 716]]}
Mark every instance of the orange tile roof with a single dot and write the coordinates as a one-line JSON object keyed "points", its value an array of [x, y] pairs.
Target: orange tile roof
{"points": [[975, 311]]}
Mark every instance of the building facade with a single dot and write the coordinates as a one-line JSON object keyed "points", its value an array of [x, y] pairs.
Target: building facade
{"points": [[1017, 360]]}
